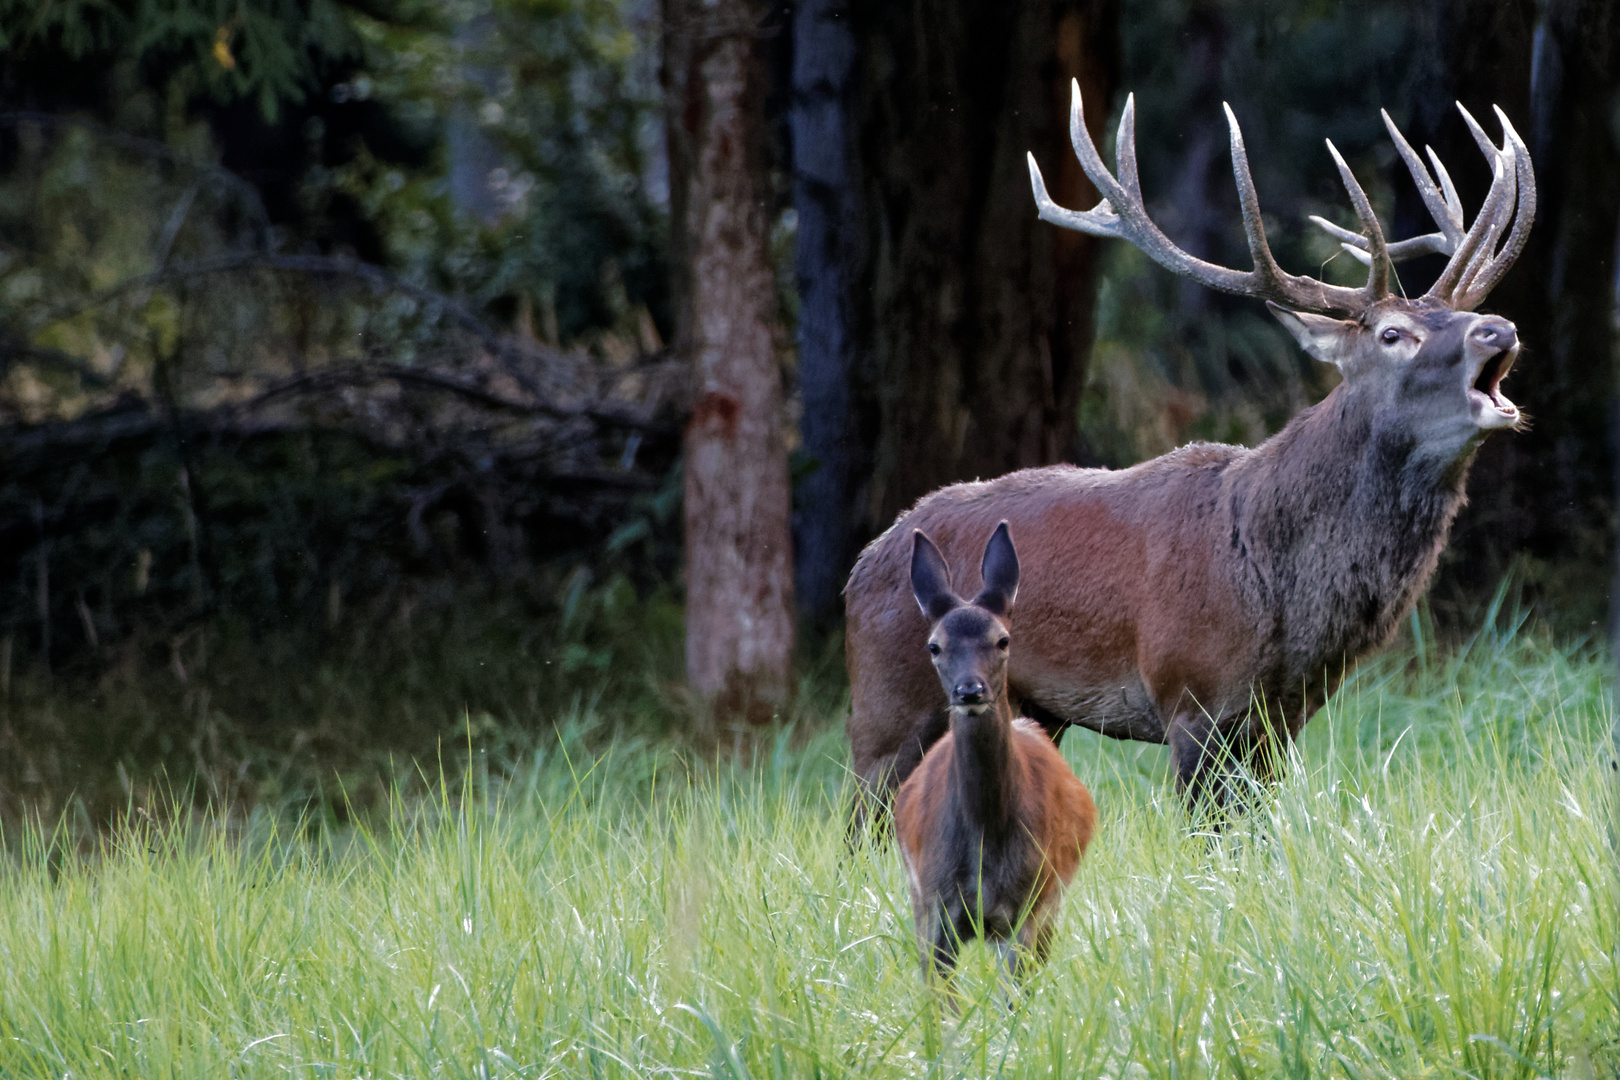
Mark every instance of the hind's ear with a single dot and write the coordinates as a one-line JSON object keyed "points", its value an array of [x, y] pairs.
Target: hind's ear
{"points": [[931, 579], [1000, 572]]}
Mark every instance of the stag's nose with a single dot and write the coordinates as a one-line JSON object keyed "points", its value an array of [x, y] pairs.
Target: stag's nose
{"points": [[1495, 333], [970, 692]]}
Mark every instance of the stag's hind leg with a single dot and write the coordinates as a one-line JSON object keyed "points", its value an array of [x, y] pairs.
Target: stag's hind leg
{"points": [[878, 778]]}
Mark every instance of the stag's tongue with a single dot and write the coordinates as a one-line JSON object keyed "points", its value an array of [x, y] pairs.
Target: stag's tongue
{"points": [[1490, 379]]}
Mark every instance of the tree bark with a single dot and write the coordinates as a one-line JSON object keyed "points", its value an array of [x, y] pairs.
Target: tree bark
{"points": [[831, 258], [739, 583], [944, 331], [980, 316]]}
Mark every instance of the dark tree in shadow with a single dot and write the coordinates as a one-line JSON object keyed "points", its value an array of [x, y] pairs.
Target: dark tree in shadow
{"points": [[945, 332], [1553, 68]]}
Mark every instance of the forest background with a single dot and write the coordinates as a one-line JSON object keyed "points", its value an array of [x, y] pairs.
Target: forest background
{"points": [[347, 369]]}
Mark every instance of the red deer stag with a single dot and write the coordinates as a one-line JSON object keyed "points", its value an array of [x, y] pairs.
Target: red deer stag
{"points": [[1212, 598], [992, 823]]}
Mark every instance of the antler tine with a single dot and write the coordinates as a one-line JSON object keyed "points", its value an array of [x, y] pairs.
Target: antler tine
{"points": [[1356, 245], [1442, 203], [1102, 219], [1446, 286], [1492, 217], [1445, 215], [1482, 140], [1476, 288], [1099, 221], [1378, 261], [1086, 150], [1125, 150], [1453, 200], [1497, 226], [1254, 229], [1498, 220]]}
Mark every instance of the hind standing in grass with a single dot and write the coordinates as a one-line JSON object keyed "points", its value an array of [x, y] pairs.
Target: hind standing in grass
{"points": [[993, 822]]}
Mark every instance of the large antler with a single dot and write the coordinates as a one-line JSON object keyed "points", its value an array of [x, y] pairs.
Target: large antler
{"points": [[1476, 265], [1121, 214]]}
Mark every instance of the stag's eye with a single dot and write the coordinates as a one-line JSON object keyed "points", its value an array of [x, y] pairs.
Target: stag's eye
{"points": [[1002, 644], [1390, 336], [933, 648]]}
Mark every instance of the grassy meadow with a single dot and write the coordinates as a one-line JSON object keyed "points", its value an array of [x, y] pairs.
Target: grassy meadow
{"points": [[1431, 892]]}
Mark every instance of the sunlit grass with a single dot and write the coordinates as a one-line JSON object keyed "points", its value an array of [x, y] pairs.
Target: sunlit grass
{"points": [[1430, 892]]}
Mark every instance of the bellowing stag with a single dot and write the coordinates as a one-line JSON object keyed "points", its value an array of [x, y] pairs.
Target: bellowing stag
{"points": [[1212, 598]]}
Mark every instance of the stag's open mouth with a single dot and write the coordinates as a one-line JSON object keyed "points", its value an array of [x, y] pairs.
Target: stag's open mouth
{"points": [[1491, 407]]}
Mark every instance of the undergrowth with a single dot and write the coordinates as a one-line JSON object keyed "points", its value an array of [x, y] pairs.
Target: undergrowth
{"points": [[1430, 891]]}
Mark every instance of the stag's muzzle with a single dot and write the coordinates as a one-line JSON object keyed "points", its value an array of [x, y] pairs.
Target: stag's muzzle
{"points": [[1492, 346]]}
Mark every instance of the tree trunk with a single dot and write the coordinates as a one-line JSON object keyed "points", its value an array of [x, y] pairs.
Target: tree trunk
{"points": [[831, 259], [980, 316], [944, 331], [739, 567]]}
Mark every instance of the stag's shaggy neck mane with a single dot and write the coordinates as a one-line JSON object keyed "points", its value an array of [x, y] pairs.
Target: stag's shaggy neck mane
{"points": [[1340, 520]]}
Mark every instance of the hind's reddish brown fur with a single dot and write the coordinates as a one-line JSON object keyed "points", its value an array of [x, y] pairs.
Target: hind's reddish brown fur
{"points": [[1054, 818]]}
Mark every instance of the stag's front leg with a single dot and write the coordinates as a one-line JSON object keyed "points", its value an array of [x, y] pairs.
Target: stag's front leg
{"points": [[876, 787], [1261, 744], [1204, 762]]}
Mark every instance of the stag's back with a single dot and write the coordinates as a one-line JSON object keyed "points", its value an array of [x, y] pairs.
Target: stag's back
{"points": [[1115, 564]]}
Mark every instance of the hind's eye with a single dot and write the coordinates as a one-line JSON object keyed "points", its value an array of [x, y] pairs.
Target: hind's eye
{"points": [[933, 648], [1002, 644], [1390, 336]]}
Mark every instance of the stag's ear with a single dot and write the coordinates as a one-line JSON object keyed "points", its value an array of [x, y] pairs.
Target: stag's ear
{"points": [[1318, 335], [1000, 571], [931, 579]]}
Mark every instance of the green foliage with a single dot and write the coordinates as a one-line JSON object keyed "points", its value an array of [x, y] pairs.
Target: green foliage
{"points": [[1429, 893], [346, 490], [259, 712], [265, 51], [552, 116]]}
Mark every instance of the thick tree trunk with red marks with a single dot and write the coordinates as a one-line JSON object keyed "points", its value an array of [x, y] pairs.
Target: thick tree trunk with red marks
{"points": [[739, 567]]}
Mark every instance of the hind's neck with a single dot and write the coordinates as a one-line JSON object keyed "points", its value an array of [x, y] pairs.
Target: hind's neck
{"points": [[984, 766]]}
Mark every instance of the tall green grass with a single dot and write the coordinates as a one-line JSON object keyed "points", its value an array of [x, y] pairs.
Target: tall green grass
{"points": [[1431, 891]]}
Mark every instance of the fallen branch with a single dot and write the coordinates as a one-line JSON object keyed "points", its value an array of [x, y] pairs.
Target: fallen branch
{"points": [[513, 356]]}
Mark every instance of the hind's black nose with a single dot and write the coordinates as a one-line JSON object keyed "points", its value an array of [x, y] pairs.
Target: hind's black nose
{"points": [[970, 692], [1494, 333]]}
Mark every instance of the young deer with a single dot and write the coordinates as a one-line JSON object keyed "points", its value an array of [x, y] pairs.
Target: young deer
{"points": [[993, 822]]}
